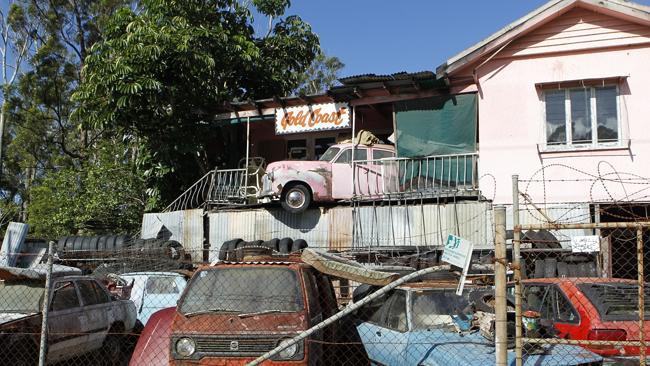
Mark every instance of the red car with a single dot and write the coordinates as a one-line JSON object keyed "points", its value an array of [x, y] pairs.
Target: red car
{"points": [[589, 309], [153, 345]]}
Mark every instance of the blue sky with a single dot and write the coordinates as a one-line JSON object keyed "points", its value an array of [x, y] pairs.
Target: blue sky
{"points": [[380, 36]]}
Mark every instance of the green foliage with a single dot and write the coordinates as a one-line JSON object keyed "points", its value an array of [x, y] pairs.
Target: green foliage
{"points": [[161, 73], [321, 75], [106, 194]]}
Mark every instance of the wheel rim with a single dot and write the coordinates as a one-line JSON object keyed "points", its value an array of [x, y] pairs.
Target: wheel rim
{"points": [[295, 198]]}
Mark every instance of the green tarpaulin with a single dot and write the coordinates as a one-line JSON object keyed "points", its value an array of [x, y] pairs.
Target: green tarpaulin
{"points": [[444, 125], [436, 126]]}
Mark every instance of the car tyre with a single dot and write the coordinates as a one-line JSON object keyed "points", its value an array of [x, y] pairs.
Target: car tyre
{"points": [[111, 350], [296, 198], [298, 245], [227, 251], [272, 244], [284, 246]]}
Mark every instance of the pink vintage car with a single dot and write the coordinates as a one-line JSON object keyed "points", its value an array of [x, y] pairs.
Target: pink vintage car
{"points": [[297, 183]]}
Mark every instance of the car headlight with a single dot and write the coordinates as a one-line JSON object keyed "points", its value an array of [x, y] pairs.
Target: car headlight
{"points": [[185, 347], [289, 351]]}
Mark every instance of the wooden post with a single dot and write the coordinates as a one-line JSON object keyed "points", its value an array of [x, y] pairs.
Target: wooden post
{"points": [[500, 306]]}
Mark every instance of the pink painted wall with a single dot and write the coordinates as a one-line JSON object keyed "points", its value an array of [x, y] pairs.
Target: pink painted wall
{"points": [[580, 44]]}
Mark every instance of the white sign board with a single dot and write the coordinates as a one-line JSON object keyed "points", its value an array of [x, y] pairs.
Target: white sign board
{"points": [[315, 117], [458, 252], [585, 244]]}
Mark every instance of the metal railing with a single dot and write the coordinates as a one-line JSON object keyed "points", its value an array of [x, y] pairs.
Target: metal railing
{"points": [[223, 187], [428, 176]]}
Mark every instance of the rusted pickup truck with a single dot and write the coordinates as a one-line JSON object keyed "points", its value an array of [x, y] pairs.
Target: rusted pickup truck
{"points": [[233, 312], [297, 183], [83, 318]]}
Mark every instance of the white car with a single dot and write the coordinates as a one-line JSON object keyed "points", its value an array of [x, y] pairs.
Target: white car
{"points": [[153, 291], [83, 318]]}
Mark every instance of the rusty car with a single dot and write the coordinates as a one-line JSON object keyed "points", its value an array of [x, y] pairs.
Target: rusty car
{"points": [[233, 312], [297, 183]]}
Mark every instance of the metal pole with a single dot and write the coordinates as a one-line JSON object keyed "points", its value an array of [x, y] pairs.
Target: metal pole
{"points": [[500, 323], [639, 252], [46, 305], [348, 309], [516, 244], [354, 222]]}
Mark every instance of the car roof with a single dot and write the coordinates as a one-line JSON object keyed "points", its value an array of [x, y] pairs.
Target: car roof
{"points": [[151, 273], [380, 146]]}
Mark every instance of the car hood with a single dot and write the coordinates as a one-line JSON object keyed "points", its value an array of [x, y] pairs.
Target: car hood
{"points": [[473, 349], [232, 324], [11, 317], [438, 347], [299, 166]]}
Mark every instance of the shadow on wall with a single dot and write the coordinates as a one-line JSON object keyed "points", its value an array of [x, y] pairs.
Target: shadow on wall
{"points": [[303, 222]]}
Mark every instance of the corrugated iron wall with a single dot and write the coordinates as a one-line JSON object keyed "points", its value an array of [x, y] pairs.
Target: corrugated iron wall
{"points": [[569, 213], [334, 228], [186, 228]]}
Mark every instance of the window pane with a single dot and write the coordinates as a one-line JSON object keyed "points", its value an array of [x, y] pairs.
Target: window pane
{"points": [[88, 295], [102, 296], [64, 296], [381, 154], [555, 117], [580, 115], [397, 313], [344, 157], [606, 114], [360, 154], [161, 285], [565, 313]]}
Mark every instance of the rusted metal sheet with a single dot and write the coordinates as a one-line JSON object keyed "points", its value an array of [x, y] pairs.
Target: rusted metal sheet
{"points": [[12, 243], [425, 225], [392, 225], [185, 226]]}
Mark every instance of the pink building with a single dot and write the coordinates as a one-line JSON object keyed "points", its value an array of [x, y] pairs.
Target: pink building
{"points": [[567, 87]]}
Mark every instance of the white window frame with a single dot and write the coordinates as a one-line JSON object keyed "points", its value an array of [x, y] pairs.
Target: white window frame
{"points": [[594, 145]]}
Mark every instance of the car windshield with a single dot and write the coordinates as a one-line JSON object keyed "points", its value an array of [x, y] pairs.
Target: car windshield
{"points": [[243, 290], [434, 308], [21, 297], [329, 154]]}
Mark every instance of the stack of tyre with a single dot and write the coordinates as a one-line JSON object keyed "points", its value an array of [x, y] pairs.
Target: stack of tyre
{"points": [[235, 249]]}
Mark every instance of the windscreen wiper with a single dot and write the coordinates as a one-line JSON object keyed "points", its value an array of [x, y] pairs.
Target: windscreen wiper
{"points": [[214, 310], [247, 315]]}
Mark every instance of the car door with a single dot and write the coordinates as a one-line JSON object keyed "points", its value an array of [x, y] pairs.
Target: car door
{"points": [[552, 304], [385, 334], [380, 172], [66, 336], [342, 173], [95, 318]]}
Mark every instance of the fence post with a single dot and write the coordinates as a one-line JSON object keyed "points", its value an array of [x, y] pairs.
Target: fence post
{"points": [[46, 302], [639, 248], [500, 324], [516, 244]]}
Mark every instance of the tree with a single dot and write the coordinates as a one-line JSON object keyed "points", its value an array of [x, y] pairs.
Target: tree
{"points": [[105, 195], [321, 75], [160, 74]]}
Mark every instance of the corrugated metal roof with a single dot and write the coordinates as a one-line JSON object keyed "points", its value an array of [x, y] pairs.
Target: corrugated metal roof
{"points": [[402, 75]]}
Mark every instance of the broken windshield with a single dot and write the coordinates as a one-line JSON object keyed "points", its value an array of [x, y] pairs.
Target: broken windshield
{"points": [[432, 309], [329, 154], [21, 297], [244, 290]]}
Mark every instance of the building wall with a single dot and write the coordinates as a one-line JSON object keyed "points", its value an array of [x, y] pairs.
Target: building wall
{"points": [[580, 44]]}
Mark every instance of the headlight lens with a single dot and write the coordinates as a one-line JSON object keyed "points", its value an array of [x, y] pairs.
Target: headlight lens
{"points": [[185, 347], [288, 352]]}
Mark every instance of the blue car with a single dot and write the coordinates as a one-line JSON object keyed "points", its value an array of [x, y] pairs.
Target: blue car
{"points": [[420, 324]]}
